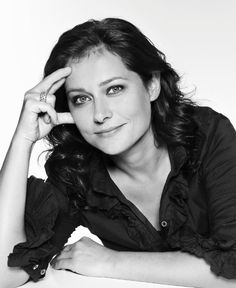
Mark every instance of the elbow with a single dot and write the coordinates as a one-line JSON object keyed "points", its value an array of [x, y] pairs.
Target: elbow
{"points": [[5, 281], [12, 277]]}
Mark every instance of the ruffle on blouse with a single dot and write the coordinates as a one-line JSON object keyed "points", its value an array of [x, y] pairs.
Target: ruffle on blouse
{"points": [[40, 217], [114, 209], [219, 254], [135, 228], [178, 208]]}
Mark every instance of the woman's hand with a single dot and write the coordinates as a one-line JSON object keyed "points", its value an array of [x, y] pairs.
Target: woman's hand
{"points": [[86, 257], [38, 117]]}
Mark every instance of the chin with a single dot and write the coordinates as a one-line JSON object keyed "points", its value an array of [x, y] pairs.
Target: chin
{"points": [[113, 150]]}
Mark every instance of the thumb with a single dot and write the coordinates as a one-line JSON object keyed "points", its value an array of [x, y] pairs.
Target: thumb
{"points": [[65, 118]]}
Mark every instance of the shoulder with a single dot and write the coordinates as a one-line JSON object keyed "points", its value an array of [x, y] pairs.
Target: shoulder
{"points": [[212, 123], [214, 132], [205, 115], [218, 136]]}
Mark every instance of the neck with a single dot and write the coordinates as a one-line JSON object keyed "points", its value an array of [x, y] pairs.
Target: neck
{"points": [[141, 160]]}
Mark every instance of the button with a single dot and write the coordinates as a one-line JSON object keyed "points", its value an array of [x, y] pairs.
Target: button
{"points": [[164, 223], [35, 267], [42, 271]]}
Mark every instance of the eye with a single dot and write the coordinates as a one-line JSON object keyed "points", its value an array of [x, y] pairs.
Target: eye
{"points": [[81, 99], [114, 89]]}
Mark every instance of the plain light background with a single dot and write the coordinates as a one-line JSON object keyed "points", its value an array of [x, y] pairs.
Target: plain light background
{"points": [[198, 38]]}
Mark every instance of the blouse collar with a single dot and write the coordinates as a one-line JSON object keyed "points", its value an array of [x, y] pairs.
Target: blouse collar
{"points": [[101, 181]]}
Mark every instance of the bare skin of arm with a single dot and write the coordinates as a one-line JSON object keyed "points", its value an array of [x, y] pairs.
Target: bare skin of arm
{"points": [[12, 198], [89, 258], [14, 172], [170, 268]]}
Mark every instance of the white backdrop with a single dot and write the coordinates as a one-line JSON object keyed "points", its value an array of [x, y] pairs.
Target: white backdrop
{"points": [[198, 38]]}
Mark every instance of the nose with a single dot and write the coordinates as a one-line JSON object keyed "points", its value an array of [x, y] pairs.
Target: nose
{"points": [[102, 111]]}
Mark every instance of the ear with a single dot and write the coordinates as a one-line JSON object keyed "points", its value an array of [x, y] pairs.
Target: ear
{"points": [[154, 86]]}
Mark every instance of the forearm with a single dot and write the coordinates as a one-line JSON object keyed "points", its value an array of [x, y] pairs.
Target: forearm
{"points": [[170, 268], [13, 181]]}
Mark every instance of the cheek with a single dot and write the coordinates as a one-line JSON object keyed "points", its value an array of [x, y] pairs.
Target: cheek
{"points": [[139, 108], [81, 121]]}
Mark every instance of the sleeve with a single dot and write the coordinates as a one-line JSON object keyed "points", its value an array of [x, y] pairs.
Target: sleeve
{"points": [[42, 217], [219, 174]]}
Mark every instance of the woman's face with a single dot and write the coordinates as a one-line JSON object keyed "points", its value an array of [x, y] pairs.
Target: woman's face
{"points": [[109, 103]]}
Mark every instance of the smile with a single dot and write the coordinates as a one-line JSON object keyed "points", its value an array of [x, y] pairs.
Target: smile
{"points": [[109, 131]]}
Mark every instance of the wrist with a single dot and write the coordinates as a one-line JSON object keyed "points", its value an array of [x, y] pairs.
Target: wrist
{"points": [[111, 264], [22, 143]]}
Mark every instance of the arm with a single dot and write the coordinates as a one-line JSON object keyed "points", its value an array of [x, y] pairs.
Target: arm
{"points": [[180, 268], [89, 258], [12, 196], [13, 177], [170, 268]]}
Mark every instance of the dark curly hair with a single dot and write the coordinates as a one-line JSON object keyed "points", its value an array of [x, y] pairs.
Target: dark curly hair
{"points": [[172, 122]]}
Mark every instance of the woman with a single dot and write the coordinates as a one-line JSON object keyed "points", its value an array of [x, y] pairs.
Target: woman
{"points": [[144, 168]]}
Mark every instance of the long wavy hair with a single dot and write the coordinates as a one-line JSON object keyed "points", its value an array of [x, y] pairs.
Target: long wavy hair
{"points": [[70, 155]]}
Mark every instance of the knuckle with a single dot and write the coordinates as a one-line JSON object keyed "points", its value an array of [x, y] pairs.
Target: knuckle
{"points": [[84, 239], [31, 95], [50, 109], [74, 252], [67, 248], [27, 94], [46, 105], [53, 97], [28, 102], [78, 243]]}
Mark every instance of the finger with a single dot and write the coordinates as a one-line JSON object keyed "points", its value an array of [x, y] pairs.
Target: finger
{"points": [[47, 113], [56, 86], [62, 264], [65, 252], [51, 99], [63, 255], [47, 82], [65, 118], [67, 248], [46, 118], [51, 117]]}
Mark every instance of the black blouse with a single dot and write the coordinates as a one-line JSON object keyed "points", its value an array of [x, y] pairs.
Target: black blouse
{"points": [[197, 214]]}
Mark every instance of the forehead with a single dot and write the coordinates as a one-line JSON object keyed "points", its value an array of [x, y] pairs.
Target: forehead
{"points": [[98, 65], [100, 58]]}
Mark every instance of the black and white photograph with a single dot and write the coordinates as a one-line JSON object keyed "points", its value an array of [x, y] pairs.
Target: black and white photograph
{"points": [[118, 144]]}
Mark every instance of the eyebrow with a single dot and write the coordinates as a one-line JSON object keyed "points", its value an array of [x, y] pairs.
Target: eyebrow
{"points": [[111, 79], [100, 85]]}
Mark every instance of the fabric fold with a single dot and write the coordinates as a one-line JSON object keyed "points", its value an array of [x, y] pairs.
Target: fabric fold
{"points": [[41, 212]]}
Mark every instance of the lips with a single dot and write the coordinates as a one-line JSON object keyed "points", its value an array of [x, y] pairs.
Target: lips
{"points": [[109, 130]]}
